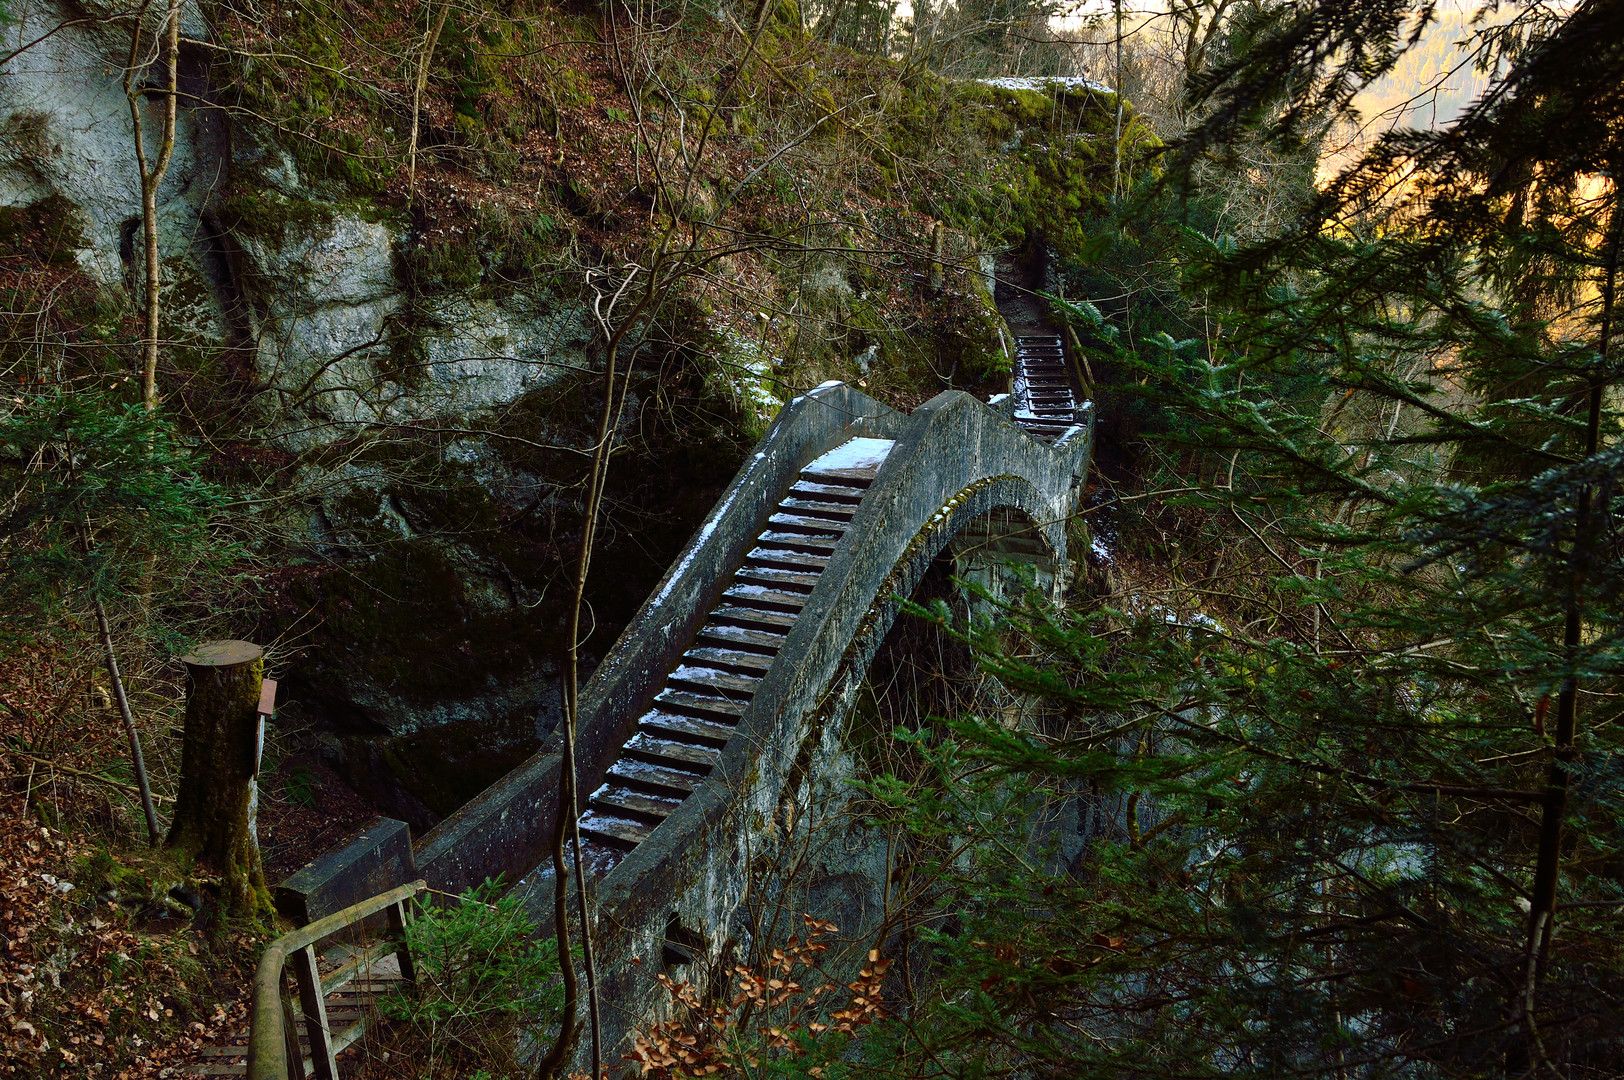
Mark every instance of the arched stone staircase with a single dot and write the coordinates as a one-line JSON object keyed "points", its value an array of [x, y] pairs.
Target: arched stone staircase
{"points": [[730, 687]]}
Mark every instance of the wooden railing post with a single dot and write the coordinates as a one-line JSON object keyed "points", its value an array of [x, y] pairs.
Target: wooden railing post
{"points": [[290, 1033], [273, 1038], [396, 914], [314, 1003]]}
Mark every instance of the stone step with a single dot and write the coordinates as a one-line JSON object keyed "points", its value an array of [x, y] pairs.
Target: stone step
{"points": [[643, 776], [763, 642], [749, 594], [686, 729], [726, 709], [707, 679], [817, 508], [787, 560], [619, 801], [800, 523], [799, 543], [734, 660], [835, 493], [614, 831], [784, 579], [753, 618], [849, 478], [671, 754]]}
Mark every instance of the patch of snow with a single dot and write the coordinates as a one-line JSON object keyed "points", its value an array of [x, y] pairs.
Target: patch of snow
{"points": [[730, 631], [686, 671], [860, 453], [1101, 551], [1045, 82]]}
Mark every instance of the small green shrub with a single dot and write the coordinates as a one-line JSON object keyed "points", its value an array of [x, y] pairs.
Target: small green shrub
{"points": [[484, 983]]}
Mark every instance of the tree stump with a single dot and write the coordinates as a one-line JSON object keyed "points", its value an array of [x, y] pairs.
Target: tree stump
{"points": [[218, 761]]}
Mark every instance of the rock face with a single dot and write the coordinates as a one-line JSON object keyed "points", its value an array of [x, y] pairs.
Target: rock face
{"points": [[427, 552]]}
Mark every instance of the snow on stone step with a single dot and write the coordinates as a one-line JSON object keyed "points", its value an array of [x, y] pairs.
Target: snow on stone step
{"points": [[767, 642], [704, 678], [728, 709], [787, 559], [685, 729], [750, 594], [672, 754], [834, 493], [644, 776], [854, 459], [799, 543], [818, 509], [622, 801], [796, 523], [616, 831], [729, 660], [784, 579], [753, 618]]}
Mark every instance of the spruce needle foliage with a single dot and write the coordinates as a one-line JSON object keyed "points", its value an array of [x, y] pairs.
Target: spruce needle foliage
{"points": [[104, 500], [1357, 816]]}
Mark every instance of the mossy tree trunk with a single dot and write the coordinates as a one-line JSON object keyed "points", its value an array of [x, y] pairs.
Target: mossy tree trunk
{"points": [[218, 761]]}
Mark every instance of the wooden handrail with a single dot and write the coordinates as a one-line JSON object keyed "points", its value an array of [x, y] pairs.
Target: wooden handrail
{"points": [[273, 1044]]}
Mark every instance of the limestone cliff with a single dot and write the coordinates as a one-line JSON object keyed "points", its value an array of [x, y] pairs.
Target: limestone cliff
{"points": [[399, 377]]}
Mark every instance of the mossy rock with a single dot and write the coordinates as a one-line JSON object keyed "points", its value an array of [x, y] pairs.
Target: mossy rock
{"points": [[50, 232]]}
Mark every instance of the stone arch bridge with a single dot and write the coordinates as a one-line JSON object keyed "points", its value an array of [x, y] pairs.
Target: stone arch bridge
{"points": [[702, 729]]}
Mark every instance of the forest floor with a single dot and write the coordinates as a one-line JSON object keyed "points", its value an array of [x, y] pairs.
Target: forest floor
{"points": [[106, 969]]}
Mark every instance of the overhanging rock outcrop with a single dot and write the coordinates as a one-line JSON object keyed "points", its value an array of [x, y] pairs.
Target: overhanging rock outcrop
{"points": [[955, 468]]}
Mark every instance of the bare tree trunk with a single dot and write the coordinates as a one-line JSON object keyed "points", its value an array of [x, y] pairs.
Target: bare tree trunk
{"points": [[418, 86], [136, 757], [152, 176], [1116, 170], [223, 683], [1547, 865], [567, 827]]}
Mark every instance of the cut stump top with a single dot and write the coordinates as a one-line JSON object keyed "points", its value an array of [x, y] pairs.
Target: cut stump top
{"points": [[223, 654]]}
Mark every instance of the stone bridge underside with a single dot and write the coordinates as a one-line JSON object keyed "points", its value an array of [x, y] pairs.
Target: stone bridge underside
{"points": [[960, 473]]}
